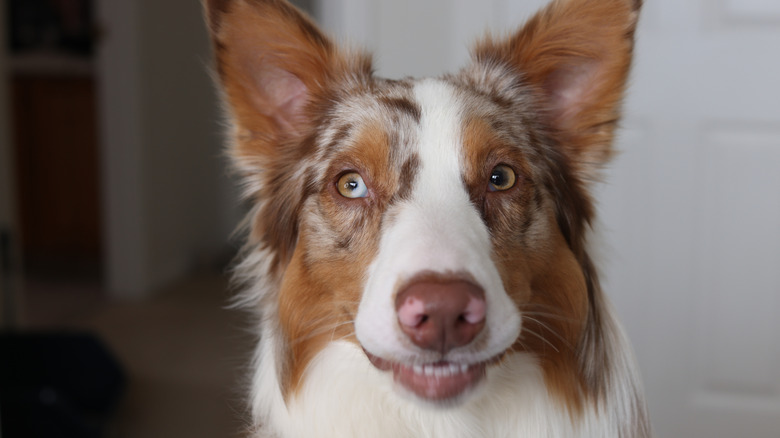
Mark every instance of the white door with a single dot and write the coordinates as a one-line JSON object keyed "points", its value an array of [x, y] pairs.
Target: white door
{"points": [[694, 212], [691, 207]]}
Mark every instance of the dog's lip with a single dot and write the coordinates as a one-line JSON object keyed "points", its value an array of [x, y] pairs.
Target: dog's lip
{"points": [[438, 381]]}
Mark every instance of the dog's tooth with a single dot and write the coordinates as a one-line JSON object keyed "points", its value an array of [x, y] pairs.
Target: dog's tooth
{"points": [[445, 371], [429, 370], [454, 368], [418, 369], [464, 367]]}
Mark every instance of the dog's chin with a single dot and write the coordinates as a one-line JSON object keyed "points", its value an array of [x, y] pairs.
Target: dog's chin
{"points": [[439, 384]]}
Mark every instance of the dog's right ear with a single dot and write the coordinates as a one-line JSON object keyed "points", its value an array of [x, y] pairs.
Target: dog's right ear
{"points": [[278, 74], [272, 62]]}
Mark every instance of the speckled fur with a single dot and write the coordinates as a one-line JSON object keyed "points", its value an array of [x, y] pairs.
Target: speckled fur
{"points": [[318, 269]]}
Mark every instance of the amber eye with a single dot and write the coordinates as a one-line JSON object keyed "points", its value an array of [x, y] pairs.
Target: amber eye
{"points": [[501, 178], [351, 186]]}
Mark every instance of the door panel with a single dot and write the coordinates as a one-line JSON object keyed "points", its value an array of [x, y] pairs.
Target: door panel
{"points": [[57, 172], [690, 231]]}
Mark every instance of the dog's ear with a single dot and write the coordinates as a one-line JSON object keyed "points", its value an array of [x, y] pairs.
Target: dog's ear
{"points": [[278, 73], [272, 62], [577, 53]]}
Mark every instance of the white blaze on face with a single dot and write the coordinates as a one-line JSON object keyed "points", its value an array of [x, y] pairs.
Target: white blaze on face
{"points": [[437, 230]]}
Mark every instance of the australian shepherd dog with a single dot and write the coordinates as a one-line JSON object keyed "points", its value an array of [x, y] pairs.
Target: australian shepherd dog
{"points": [[417, 249]]}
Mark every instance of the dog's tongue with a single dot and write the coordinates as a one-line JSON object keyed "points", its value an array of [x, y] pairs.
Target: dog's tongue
{"points": [[436, 382]]}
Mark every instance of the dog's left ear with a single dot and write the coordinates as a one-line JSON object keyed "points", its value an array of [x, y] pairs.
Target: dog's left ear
{"points": [[578, 54]]}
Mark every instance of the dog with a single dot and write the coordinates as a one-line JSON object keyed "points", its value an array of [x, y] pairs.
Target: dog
{"points": [[417, 249]]}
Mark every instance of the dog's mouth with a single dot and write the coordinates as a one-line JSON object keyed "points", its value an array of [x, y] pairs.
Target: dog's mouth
{"points": [[437, 382]]}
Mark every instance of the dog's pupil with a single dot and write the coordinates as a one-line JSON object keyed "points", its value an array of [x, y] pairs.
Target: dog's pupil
{"points": [[497, 178]]}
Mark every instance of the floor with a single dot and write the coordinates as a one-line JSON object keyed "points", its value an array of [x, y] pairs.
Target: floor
{"points": [[184, 352]]}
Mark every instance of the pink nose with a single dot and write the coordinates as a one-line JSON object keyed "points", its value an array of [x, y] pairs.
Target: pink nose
{"points": [[441, 315]]}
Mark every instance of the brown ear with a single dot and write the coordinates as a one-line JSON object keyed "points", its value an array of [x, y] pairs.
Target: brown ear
{"points": [[278, 74], [272, 62], [578, 54]]}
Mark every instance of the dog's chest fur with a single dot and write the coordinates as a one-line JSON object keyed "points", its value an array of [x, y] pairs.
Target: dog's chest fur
{"points": [[346, 397]]}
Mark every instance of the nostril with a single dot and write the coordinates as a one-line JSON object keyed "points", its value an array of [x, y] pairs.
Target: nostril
{"points": [[411, 312], [475, 310]]}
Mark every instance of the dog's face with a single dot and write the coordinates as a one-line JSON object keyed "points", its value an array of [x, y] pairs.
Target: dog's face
{"points": [[438, 224], [462, 233]]}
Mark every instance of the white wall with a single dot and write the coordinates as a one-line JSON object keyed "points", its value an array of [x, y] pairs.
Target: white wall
{"points": [[125, 224], [167, 200], [412, 38]]}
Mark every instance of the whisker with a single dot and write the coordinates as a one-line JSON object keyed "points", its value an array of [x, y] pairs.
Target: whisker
{"points": [[332, 328], [542, 339], [548, 315], [549, 329]]}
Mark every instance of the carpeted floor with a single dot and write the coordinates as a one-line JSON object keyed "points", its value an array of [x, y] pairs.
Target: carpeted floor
{"points": [[184, 353]]}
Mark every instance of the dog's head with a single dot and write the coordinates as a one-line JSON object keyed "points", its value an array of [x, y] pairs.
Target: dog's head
{"points": [[439, 224]]}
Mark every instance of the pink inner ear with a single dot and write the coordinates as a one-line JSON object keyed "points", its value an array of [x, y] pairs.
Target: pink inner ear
{"points": [[282, 97], [568, 89]]}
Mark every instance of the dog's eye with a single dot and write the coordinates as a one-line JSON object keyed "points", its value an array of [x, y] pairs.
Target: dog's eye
{"points": [[351, 186], [501, 178]]}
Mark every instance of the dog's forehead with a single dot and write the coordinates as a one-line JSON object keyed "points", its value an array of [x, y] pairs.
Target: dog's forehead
{"points": [[384, 99], [417, 117], [440, 132]]}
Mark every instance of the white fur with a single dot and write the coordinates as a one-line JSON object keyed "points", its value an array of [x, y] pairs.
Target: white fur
{"points": [[422, 239], [343, 395]]}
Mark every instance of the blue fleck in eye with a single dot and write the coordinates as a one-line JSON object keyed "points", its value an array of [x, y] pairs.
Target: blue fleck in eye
{"points": [[351, 186], [501, 178]]}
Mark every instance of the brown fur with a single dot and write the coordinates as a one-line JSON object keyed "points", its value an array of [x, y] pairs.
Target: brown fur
{"points": [[556, 49], [556, 307], [544, 101], [588, 42], [253, 41]]}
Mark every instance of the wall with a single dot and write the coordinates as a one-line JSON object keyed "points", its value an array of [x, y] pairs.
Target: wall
{"points": [[411, 38], [167, 200], [125, 223], [183, 161]]}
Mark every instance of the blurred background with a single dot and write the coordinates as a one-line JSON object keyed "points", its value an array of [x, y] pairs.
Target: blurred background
{"points": [[116, 209]]}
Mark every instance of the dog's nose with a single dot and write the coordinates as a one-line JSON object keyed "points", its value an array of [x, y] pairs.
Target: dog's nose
{"points": [[441, 315]]}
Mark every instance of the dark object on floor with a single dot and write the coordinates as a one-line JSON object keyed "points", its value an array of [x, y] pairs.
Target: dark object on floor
{"points": [[63, 385]]}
